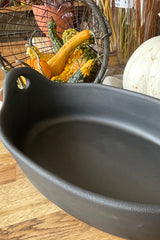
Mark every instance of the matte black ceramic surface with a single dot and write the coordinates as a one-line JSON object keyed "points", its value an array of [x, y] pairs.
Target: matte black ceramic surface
{"points": [[91, 149]]}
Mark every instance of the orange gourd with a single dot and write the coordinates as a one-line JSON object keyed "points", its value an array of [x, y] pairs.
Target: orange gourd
{"points": [[40, 65], [30, 62]]}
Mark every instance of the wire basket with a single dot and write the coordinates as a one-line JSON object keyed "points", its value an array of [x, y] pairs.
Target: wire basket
{"points": [[18, 24]]}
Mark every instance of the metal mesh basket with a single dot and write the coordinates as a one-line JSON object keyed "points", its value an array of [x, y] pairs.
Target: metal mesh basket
{"points": [[18, 24]]}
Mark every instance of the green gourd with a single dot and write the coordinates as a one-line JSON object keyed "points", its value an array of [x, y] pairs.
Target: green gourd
{"points": [[83, 74], [56, 41]]}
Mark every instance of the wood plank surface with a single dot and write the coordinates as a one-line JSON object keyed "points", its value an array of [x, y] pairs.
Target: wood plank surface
{"points": [[22, 8]]}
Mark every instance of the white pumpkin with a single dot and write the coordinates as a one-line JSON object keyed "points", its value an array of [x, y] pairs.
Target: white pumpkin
{"points": [[142, 71]]}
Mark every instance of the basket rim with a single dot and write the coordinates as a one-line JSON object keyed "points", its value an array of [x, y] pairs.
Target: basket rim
{"points": [[106, 30]]}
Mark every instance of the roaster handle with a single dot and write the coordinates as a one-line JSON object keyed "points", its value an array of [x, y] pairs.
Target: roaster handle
{"points": [[34, 80]]}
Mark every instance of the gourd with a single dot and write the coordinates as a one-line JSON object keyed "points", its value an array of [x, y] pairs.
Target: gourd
{"points": [[40, 65], [142, 71], [31, 52], [83, 73], [57, 63], [56, 41], [47, 56], [68, 34], [37, 62], [75, 61], [88, 52]]}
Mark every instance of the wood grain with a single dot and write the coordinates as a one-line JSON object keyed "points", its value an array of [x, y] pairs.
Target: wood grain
{"points": [[22, 8]]}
